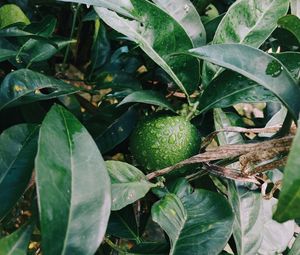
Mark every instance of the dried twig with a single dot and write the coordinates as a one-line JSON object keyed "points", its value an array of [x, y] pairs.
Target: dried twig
{"points": [[228, 151], [212, 135]]}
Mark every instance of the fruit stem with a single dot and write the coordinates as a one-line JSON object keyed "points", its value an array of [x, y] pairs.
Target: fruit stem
{"points": [[192, 111]]}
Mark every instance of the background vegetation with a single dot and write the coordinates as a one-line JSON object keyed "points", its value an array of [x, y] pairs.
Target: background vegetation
{"points": [[77, 77]]}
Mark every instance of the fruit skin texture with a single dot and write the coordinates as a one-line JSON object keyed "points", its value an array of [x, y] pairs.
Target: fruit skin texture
{"points": [[162, 141]]}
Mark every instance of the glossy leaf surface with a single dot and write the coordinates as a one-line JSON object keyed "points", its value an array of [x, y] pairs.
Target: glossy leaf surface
{"points": [[263, 69], [291, 61], [246, 203], [38, 51], [198, 223], [73, 186], [17, 242], [230, 88], [10, 14], [121, 224], [6, 54], [250, 22], [128, 184], [148, 97], [26, 86], [289, 199], [159, 35], [118, 131], [248, 225], [276, 236], [17, 151], [292, 24], [246, 22], [187, 16]]}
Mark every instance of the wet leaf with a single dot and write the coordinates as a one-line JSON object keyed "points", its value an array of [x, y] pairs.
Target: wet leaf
{"points": [[292, 24], [256, 70], [289, 199], [17, 151], [73, 186], [200, 221], [186, 14], [26, 86], [17, 242], [128, 184], [148, 97]]}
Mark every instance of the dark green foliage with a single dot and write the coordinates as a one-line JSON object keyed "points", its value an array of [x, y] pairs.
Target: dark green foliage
{"points": [[100, 99]]}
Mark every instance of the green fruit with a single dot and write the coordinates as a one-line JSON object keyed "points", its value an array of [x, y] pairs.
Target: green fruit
{"points": [[10, 14], [161, 141]]}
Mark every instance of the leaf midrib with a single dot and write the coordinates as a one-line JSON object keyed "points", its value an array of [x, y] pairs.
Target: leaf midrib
{"points": [[71, 175], [148, 46]]}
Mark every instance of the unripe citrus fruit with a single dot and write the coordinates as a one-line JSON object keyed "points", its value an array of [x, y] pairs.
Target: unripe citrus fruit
{"points": [[161, 141]]}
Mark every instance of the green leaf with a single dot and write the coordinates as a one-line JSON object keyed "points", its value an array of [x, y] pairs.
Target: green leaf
{"points": [[198, 223], [148, 97], [45, 27], [211, 27], [248, 224], [230, 88], [291, 61], [246, 203], [292, 24], [222, 120], [123, 224], [263, 69], [10, 14], [15, 31], [276, 120], [25, 86], [289, 199], [118, 131], [187, 16], [128, 184], [247, 22], [7, 54], [101, 47], [17, 242], [17, 151], [117, 81], [295, 250], [276, 236], [250, 22], [122, 7], [73, 186], [159, 36], [38, 51]]}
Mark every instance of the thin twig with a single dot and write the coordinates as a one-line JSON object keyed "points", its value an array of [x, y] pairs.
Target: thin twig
{"points": [[212, 135], [223, 152]]}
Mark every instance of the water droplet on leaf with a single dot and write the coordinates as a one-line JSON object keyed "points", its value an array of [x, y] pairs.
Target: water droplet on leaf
{"points": [[18, 60], [274, 68]]}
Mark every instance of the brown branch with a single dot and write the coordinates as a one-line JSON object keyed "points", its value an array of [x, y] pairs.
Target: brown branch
{"points": [[212, 135], [224, 152], [229, 173]]}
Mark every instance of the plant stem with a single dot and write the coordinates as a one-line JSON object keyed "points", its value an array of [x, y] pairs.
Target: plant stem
{"points": [[192, 111], [72, 33], [115, 247]]}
